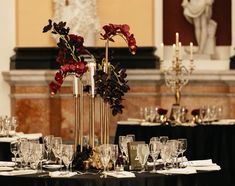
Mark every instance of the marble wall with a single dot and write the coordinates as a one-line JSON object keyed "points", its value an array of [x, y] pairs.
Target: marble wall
{"points": [[39, 112]]}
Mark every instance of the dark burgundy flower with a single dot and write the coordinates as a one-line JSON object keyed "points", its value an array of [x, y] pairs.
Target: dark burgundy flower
{"points": [[76, 40], [112, 30], [162, 111], [47, 27], [195, 112]]}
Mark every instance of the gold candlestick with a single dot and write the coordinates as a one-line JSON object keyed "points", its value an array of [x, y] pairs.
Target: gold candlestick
{"points": [[177, 75]]}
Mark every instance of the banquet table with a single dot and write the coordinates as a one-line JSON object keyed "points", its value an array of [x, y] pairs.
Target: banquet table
{"points": [[216, 142], [143, 179]]}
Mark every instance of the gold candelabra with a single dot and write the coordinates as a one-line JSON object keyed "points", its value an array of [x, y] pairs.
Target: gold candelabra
{"points": [[177, 75]]}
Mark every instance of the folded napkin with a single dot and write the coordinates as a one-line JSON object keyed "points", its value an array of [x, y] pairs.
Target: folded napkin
{"points": [[203, 165], [6, 139], [134, 119], [33, 136], [62, 174], [187, 170], [7, 164], [128, 122], [18, 172], [121, 174], [145, 123], [224, 122], [213, 167], [198, 163]]}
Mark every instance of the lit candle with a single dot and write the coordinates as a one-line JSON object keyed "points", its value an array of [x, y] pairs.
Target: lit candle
{"points": [[92, 73], [177, 39], [191, 51], [161, 52], [174, 51], [180, 51], [75, 85]]}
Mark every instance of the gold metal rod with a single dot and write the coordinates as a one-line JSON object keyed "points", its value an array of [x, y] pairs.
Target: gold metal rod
{"points": [[76, 140], [101, 120], [81, 114], [93, 121]]}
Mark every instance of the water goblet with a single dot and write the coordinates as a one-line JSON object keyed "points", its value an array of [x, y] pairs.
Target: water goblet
{"points": [[67, 155], [182, 148], [57, 148], [114, 154], [142, 155], [165, 154], [163, 139], [154, 149], [25, 151], [14, 150], [47, 141], [105, 155]]}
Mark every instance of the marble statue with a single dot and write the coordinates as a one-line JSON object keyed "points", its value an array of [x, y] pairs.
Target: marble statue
{"points": [[80, 16], [199, 13]]}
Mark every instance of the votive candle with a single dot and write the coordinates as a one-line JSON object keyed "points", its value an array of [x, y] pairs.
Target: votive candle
{"points": [[191, 51]]}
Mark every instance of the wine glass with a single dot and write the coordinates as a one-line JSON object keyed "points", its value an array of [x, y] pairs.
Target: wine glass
{"points": [[174, 146], [154, 149], [14, 124], [105, 155], [154, 139], [67, 155], [165, 154], [14, 149], [47, 140], [25, 152], [142, 155], [182, 148], [39, 151], [57, 148], [163, 139], [114, 154], [202, 113]]}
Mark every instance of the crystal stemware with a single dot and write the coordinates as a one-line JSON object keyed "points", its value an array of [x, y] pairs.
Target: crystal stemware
{"points": [[114, 154], [182, 148], [154, 149], [105, 155], [142, 155], [67, 155], [14, 149], [47, 140]]}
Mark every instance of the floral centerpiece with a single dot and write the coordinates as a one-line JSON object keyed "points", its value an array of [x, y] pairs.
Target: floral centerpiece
{"points": [[111, 85], [110, 81]]}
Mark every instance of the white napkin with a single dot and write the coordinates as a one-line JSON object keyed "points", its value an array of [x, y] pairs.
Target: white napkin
{"points": [[18, 172], [33, 136], [203, 165], [224, 122], [187, 170], [6, 139], [145, 123], [128, 122], [7, 164], [121, 174], [213, 167], [134, 119], [62, 174], [198, 163]]}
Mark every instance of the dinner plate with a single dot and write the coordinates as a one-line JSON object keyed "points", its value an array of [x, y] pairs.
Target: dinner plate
{"points": [[53, 166], [6, 168]]}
